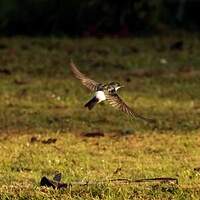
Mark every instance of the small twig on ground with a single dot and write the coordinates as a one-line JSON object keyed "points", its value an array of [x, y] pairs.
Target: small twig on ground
{"points": [[160, 179], [55, 184]]}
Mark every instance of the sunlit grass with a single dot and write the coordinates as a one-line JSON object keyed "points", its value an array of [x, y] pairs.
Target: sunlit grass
{"points": [[148, 155]]}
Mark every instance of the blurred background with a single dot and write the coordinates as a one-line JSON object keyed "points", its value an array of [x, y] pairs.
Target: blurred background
{"points": [[97, 17]]}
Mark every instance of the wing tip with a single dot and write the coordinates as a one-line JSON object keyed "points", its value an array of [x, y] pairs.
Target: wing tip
{"points": [[74, 69], [71, 63]]}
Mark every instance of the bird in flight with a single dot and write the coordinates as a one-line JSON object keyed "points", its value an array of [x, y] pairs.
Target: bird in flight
{"points": [[105, 92]]}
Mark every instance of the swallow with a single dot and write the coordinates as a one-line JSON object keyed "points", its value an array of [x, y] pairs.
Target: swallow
{"points": [[105, 92]]}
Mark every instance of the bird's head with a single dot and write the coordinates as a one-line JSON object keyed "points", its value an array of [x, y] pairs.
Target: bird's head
{"points": [[116, 85]]}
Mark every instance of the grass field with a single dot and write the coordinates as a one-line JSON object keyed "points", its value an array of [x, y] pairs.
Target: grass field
{"points": [[41, 100]]}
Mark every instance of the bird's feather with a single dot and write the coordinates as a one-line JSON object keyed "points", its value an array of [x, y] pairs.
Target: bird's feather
{"points": [[89, 83], [115, 101]]}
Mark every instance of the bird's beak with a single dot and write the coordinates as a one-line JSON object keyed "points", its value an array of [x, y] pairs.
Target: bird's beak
{"points": [[119, 87]]}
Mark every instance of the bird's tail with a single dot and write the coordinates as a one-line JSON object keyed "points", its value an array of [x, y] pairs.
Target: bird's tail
{"points": [[90, 104]]}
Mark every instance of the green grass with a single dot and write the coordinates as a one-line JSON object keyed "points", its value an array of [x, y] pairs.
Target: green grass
{"points": [[40, 97]]}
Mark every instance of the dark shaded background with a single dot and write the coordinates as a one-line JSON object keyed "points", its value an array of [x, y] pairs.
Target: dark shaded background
{"points": [[97, 17]]}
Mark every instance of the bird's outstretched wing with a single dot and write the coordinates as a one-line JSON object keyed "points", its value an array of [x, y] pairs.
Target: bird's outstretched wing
{"points": [[115, 101], [89, 83]]}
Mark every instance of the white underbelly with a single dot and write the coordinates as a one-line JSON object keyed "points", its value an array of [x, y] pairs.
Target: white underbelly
{"points": [[101, 96]]}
